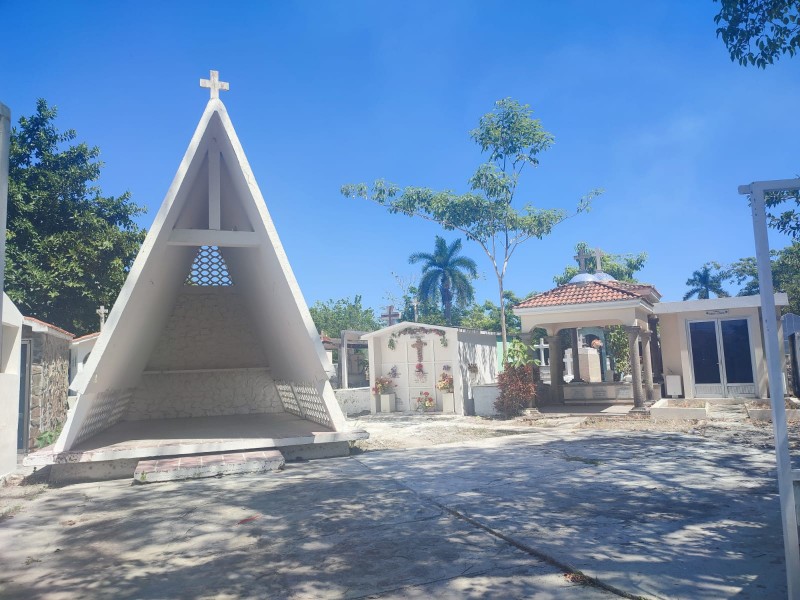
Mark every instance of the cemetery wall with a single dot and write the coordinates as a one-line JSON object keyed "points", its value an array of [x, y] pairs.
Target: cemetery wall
{"points": [[354, 400], [49, 384]]}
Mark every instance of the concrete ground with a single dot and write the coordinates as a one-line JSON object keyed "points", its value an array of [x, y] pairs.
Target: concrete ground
{"points": [[689, 513]]}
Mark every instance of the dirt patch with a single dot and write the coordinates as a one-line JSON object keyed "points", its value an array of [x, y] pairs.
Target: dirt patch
{"points": [[15, 495], [393, 432]]}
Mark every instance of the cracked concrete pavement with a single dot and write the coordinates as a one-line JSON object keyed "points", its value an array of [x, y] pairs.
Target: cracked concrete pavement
{"points": [[654, 514]]}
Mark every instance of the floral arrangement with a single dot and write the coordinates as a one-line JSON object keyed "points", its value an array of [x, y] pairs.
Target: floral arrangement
{"points": [[392, 343], [393, 372], [472, 367], [383, 385], [445, 383], [425, 402]]}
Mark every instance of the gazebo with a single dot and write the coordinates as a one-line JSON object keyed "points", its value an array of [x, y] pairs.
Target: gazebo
{"points": [[708, 348], [596, 301]]}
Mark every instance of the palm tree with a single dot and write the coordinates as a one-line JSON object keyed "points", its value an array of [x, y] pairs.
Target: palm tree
{"points": [[703, 282], [443, 275]]}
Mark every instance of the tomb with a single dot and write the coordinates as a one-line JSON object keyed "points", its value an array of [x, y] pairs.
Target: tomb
{"points": [[709, 348], [429, 364], [210, 346]]}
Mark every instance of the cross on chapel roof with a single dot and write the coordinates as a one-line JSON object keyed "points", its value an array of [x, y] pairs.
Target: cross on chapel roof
{"points": [[582, 257], [598, 257], [214, 84]]}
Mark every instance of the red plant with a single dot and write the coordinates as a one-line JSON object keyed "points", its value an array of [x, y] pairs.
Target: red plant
{"points": [[517, 389]]}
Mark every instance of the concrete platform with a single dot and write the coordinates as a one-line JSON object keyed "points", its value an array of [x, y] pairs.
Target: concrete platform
{"points": [[185, 436], [207, 465]]}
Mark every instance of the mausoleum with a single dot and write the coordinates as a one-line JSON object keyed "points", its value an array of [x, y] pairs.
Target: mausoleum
{"points": [[418, 361], [210, 346], [709, 348]]}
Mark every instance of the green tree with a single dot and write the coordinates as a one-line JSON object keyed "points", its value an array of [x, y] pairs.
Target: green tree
{"points": [[486, 316], [335, 316], [485, 215], [758, 32], [785, 274], [706, 281], [621, 267], [447, 273], [69, 247]]}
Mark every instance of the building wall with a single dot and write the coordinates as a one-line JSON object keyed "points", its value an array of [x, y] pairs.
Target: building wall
{"points": [[479, 349], [675, 345], [49, 384], [9, 384], [203, 394], [206, 362], [209, 328]]}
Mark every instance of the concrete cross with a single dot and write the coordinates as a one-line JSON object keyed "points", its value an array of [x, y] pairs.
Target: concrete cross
{"points": [[214, 84], [598, 257], [102, 312], [582, 257], [390, 315], [419, 345]]}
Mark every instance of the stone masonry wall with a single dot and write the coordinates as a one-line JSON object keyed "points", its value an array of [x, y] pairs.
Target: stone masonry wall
{"points": [[49, 384], [172, 395], [208, 329], [207, 362]]}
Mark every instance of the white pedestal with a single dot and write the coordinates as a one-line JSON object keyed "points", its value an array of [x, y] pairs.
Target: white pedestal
{"points": [[387, 403], [448, 402], [589, 364]]}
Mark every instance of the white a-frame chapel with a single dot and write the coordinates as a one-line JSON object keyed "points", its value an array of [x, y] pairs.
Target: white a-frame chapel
{"points": [[210, 346]]}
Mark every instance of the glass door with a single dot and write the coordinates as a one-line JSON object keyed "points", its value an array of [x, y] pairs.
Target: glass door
{"points": [[706, 365], [722, 358], [738, 363]]}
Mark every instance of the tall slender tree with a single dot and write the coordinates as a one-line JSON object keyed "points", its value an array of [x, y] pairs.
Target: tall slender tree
{"points": [[446, 273], [486, 214], [706, 281]]}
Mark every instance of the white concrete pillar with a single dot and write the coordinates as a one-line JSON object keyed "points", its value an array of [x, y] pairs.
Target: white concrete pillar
{"points": [[5, 145], [556, 367], [576, 366], [636, 369], [648, 366]]}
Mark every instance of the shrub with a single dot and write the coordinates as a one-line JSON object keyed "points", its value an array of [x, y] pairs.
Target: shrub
{"points": [[516, 389]]}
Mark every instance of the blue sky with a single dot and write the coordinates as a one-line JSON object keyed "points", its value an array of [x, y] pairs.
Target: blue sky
{"points": [[641, 97]]}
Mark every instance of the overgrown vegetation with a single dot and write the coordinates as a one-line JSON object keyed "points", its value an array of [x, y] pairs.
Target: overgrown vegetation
{"points": [[517, 389]]}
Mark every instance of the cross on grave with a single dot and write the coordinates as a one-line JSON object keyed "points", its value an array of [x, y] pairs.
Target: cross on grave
{"points": [[419, 345], [102, 312], [214, 84], [582, 257], [391, 315], [598, 257]]}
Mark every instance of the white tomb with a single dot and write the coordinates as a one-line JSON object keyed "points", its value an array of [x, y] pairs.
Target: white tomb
{"points": [[210, 345]]}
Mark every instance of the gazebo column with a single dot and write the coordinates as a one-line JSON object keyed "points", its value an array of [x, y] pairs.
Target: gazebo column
{"points": [[636, 369], [576, 363], [648, 365], [556, 367]]}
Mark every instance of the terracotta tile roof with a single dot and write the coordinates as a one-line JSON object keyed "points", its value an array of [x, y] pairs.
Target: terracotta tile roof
{"points": [[50, 325], [87, 336], [588, 293]]}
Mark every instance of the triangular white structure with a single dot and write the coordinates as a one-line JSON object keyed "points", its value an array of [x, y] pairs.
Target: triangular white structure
{"points": [[211, 321]]}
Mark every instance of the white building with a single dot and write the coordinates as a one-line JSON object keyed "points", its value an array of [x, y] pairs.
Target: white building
{"points": [[209, 346], [416, 356]]}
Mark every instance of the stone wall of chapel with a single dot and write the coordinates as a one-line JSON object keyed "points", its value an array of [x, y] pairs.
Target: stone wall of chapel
{"points": [[203, 394], [209, 328], [207, 362]]}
